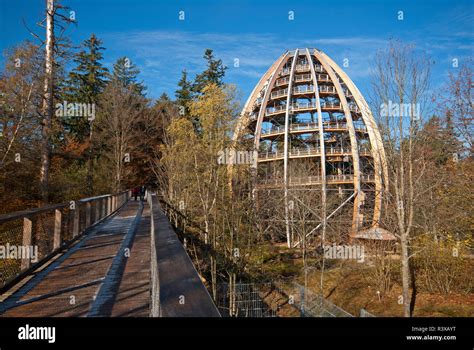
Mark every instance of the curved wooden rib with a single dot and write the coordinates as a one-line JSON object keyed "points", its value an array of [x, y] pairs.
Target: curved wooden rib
{"points": [[352, 136], [322, 144], [285, 159], [378, 152]]}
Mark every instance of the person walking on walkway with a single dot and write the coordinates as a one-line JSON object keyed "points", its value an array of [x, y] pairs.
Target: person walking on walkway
{"points": [[142, 192], [135, 192]]}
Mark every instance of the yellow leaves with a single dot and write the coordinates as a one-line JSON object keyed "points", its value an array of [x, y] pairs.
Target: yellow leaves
{"points": [[216, 111], [190, 156], [181, 131]]}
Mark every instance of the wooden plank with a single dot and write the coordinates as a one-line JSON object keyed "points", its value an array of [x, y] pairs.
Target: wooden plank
{"points": [[133, 294]]}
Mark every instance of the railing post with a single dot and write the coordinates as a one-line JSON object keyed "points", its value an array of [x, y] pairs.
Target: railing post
{"points": [[97, 211], [302, 301], [103, 207], [27, 235], [57, 229], [109, 205], [88, 214], [75, 229]]}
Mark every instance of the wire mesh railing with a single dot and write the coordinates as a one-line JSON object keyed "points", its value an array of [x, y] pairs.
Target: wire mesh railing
{"points": [[11, 236], [365, 313], [29, 237], [315, 305], [245, 300], [275, 300]]}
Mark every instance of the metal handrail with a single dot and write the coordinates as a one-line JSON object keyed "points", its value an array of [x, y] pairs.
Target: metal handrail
{"points": [[285, 71], [302, 105], [303, 77], [318, 68], [322, 77], [282, 81], [276, 109], [328, 125], [302, 67], [326, 88], [305, 152], [303, 89], [317, 179], [279, 93]]}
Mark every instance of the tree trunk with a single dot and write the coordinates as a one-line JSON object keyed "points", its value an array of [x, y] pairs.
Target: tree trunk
{"points": [[90, 165], [47, 107], [405, 275]]}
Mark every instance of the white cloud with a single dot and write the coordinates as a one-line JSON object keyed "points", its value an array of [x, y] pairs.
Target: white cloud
{"points": [[162, 55], [172, 51]]}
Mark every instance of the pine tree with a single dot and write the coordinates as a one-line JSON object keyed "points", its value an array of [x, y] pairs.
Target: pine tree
{"points": [[213, 74], [86, 82], [184, 95], [164, 97], [88, 79], [126, 73]]}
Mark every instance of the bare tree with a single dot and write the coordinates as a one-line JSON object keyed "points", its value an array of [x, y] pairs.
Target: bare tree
{"points": [[400, 84], [47, 105], [120, 109], [54, 48]]}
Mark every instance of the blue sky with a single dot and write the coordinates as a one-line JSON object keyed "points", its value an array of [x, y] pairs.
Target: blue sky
{"points": [[256, 32]]}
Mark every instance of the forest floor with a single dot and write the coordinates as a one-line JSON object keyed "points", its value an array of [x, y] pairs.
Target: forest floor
{"points": [[348, 284], [352, 286]]}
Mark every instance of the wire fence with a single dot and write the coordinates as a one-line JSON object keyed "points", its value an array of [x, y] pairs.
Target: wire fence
{"points": [[30, 236], [365, 313], [271, 300], [245, 300], [314, 305], [11, 234]]}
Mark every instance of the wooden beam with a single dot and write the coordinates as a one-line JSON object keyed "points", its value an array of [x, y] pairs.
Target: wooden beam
{"points": [[57, 229], [28, 228]]}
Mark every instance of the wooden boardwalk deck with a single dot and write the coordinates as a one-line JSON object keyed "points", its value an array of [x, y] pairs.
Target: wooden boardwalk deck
{"points": [[106, 273]]}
